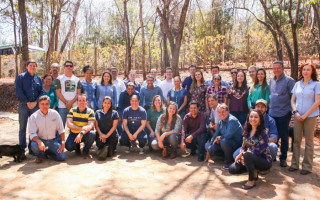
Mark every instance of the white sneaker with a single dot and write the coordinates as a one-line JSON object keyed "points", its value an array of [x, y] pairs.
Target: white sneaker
{"points": [[127, 151], [141, 151]]}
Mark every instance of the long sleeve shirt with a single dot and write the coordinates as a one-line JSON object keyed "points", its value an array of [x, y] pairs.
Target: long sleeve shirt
{"points": [[229, 129], [146, 95], [257, 94], [271, 126], [124, 100], [106, 90], [193, 126], [28, 88]]}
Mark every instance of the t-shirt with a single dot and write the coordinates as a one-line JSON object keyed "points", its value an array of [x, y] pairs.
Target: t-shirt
{"points": [[165, 87], [134, 117], [69, 87], [214, 115], [153, 116], [80, 119], [104, 124]]}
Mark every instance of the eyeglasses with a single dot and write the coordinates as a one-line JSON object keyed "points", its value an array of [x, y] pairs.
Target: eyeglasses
{"points": [[69, 66], [233, 72]]}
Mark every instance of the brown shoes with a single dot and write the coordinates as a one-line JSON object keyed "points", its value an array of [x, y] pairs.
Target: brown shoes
{"points": [[304, 172]]}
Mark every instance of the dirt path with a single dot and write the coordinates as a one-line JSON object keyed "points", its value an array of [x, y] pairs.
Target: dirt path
{"points": [[134, 176]]}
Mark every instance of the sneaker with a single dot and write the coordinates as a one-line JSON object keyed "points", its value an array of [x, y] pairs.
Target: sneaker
{"points": [[24, 157], [127, 151], [141, 151], [102, 155], [226, 166], [193, 152], [283, 163], [38, 160]]}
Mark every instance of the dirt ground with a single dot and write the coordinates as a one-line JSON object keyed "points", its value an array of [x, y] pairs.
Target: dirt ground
{"points": [[148, 176]]}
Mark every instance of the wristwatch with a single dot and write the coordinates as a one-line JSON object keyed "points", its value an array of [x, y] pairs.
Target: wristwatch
{"points": [[294, 111], [81, 133], [63, 142]]}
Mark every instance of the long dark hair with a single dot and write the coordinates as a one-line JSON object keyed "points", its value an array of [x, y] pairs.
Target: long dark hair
{"points": [[165, 117], [260, 129], [264, 83], [109, 113], [194, 81], [102, 80], [235, 85]]}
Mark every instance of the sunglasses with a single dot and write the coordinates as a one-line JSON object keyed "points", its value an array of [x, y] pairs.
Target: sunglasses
{"points": [[216, 79], [68, 65]]}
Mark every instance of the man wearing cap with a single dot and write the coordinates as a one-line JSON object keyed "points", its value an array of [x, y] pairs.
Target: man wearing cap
{"points": [[271, 128]]}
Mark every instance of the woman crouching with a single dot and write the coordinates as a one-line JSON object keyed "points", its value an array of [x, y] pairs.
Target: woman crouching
{"points": [[167, 132]]}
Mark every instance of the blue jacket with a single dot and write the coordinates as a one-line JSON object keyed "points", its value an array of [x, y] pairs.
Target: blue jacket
{"points": [[28, 88]]}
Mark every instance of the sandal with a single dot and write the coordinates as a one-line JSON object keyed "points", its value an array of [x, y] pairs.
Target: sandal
{"points": [[248, 187]]}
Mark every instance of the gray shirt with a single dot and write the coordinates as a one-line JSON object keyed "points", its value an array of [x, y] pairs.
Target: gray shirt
{"points": [[45, 126], [280, 95]]}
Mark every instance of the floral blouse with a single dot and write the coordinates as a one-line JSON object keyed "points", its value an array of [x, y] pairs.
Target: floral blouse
{"points": [[258, 146], [177, 126], [199, 95]]}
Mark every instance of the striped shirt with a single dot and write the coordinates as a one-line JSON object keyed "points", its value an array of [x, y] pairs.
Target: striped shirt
{"points": [[80, 119]]}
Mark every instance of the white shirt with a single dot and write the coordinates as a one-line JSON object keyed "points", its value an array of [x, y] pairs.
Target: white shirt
{"points": [[69, 87], [45, 126], [120, 87], [165, 87]]}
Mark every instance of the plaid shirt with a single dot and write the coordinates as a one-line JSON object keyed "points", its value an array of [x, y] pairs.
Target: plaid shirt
{"points": [[222, 93]]}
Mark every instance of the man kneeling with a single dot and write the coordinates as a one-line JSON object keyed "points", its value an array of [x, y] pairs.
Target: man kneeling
{"points": [[42, 128], [227, 137]]}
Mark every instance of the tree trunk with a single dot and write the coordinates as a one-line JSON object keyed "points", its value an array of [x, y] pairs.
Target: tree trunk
{"points": [[150, 56], [15, 38], [24, 27], [175, 44], [51, 36], [41, 26], [72, 27], [143, 42], [316, 34], [127, 33]]}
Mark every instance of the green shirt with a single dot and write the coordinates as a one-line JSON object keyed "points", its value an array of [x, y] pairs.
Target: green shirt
{"points": [[257, 94], [153, 115]]}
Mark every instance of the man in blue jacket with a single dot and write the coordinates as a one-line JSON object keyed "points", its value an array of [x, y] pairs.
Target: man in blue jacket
{"points": [[28, 88], [227, 137]]}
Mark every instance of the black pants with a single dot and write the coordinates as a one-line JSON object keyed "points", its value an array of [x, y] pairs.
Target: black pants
{"points": [[237, 168], [253, 162], [111, 141]]}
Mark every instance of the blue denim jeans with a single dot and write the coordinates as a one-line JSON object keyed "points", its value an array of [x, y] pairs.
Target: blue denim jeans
{"points": [[282, 124], [87, 139], [272, 146], [170, 141], [24, 114], [241, 116], [199, 141], [142, 139], [225, 147], [63, 112], [51, 150]]}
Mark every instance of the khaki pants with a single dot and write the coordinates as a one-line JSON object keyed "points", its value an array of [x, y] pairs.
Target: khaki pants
{"points": [[307, 128]]}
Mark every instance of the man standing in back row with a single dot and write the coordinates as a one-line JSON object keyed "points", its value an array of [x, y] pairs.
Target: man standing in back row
{"points": [[29, 89], [68, 87], [280, 108]]}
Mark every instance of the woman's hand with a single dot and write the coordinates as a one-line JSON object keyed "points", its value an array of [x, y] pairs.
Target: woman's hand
{"points": [[238, 158]]}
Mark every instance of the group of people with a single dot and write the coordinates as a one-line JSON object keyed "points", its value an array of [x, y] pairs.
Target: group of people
{"points": [[240, 120]]}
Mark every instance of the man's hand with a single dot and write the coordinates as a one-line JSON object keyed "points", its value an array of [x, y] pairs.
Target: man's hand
{"points": [[78, 138], [160, 144], [69, 105], [31, 105], [61, 149], [189, 139], [217, 140], [86, 129], [272, 140], [131, 137], [41, 146]]}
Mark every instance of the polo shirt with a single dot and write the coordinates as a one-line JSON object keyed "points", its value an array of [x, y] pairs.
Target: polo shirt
{"points": [[80, 119]]}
